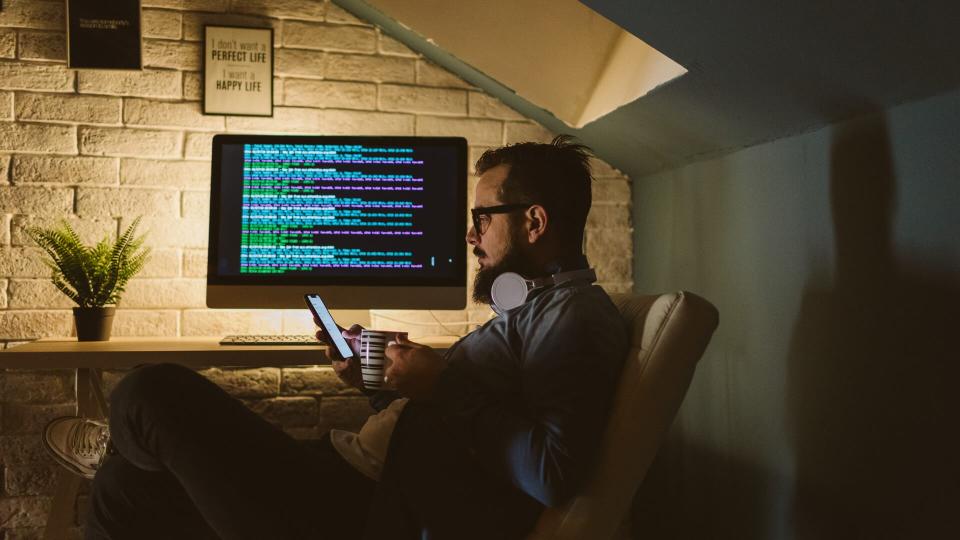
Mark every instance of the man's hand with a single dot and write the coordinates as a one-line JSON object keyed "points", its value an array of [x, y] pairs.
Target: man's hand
{"points": [[347, 369], [412, 368]]}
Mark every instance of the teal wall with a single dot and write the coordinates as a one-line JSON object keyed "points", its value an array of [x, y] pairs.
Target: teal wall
{"points": [[826, 405]]}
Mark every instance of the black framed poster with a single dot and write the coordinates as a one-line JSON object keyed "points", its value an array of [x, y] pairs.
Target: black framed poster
{"points": [[103, 35], [237, 70]]}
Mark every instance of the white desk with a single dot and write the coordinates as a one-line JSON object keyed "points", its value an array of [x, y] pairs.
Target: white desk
{"points": [[89, 358]]}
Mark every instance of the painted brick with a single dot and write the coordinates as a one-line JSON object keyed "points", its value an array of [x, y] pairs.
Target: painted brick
{"points": [[516, 132], [38, 138], [609, 216], [33, 14], [6, 105], [192, 86], [347, 413], [356, 67], [284, 120], [53, 78], [19, 449], [345, 95], [141, 112], [164, 293], [198, 145], [36, 294], [3, 293], [246, 383], [195, 204], [312, 381], [477, 131], [63, 170], [423, 100], [300, 62], [337, 122], [34, 479], [287, 411], [193, 24], [20, 512], [46, 201], [90, 230], [162, 262], [23, 262], [42, 46], [484, 106], [171, 232], [146, 323], [29, 386], [329, 37], [180, 55], [389, 45], [126, 202], [220, 322], [161, 24], [4, 170], [337, 14], [148, 83], [308, 10], [430, 74], [152, 172], [85, 109], [604, 243], [614, 269], [8, 43], [611, 191], [30, 418], [129, 142], [189, 5], [194, 263], [35, 324], [299, 321]]}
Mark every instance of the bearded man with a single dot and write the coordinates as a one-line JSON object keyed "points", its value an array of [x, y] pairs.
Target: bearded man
{"points": [[472, 444]]}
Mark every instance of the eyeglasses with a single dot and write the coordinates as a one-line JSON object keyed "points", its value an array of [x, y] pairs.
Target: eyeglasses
{"points": [[481, 214]]}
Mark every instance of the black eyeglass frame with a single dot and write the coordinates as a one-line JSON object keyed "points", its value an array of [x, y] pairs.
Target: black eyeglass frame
{"points": [[475, 213]]}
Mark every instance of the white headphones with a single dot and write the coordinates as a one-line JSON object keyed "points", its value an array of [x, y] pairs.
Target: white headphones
{"points": [[510, 289]]}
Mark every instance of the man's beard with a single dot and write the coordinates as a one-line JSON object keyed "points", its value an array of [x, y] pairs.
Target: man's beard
{"points": [[514, 260]]}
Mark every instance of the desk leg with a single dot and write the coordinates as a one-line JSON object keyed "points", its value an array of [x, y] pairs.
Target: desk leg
{"points": [[90, 404]]}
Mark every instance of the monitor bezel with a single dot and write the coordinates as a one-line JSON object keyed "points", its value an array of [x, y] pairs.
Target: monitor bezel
{"points": [[459, 279]]}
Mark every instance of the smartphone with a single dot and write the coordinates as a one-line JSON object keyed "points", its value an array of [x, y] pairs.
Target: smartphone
{"points": [[321, 312]]}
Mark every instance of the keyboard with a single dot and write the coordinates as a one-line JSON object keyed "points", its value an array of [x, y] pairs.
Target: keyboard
{"points": [[303, 339]]}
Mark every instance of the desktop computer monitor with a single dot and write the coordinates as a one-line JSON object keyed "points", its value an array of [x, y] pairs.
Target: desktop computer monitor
{"points": [[366, 222]]}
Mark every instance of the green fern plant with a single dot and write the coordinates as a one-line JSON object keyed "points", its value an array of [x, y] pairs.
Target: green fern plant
{"points": [[91, 276]]}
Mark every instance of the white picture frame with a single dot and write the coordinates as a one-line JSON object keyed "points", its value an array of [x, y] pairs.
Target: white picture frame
{"points": [[237, 70]]}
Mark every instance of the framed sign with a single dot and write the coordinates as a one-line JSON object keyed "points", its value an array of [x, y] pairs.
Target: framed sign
{"points": [[103, 35], [237, 70]]}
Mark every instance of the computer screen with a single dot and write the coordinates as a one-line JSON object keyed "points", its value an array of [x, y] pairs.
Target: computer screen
{"points": [[366, 222]]}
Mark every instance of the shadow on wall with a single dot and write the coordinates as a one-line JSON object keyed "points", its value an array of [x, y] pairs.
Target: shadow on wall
{"points": [[872, 397]]}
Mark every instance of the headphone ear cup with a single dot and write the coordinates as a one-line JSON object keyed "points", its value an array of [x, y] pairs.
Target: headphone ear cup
{"points": [[509, 290]]}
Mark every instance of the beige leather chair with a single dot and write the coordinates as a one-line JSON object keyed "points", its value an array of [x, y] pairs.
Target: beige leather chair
{"points": [[669, 333]]}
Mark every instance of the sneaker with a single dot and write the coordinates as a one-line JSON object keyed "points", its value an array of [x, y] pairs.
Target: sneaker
{"points": [[79, 444]]}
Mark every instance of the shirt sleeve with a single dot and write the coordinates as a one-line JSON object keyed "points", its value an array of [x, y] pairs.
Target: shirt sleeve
{"points": [[570, 353]]}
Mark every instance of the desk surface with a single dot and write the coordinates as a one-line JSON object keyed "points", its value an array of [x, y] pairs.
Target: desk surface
{"points": [[189, 351]]}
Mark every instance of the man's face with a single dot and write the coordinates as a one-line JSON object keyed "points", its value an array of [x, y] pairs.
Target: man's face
{"points": [[502, 247]]}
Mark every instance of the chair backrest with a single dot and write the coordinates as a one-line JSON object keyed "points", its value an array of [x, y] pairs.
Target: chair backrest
{"points": [[669, 333]]}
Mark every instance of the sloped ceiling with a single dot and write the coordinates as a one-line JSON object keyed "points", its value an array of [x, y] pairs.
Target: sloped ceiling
{"points": [[758, 70]]}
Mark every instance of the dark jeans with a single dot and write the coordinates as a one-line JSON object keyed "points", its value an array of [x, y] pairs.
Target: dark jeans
{"points": [[195, 463]]}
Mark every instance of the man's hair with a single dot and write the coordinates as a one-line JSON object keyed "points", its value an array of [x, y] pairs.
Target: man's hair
{"points": [[555, 176]]}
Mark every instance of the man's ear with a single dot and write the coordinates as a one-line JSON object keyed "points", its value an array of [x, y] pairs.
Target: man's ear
{"points": [[537, 221]]}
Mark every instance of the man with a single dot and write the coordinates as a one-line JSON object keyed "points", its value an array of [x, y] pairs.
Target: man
{"points": [[474, 444]]}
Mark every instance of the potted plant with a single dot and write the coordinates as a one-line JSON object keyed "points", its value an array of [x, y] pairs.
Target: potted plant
{"points": [[92, 276]]}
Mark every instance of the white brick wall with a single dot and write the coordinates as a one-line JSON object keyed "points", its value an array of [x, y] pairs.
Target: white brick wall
{"points": [[100, 147]]}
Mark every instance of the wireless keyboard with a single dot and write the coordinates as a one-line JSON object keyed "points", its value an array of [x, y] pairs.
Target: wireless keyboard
{"points": [[304, 339]]}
